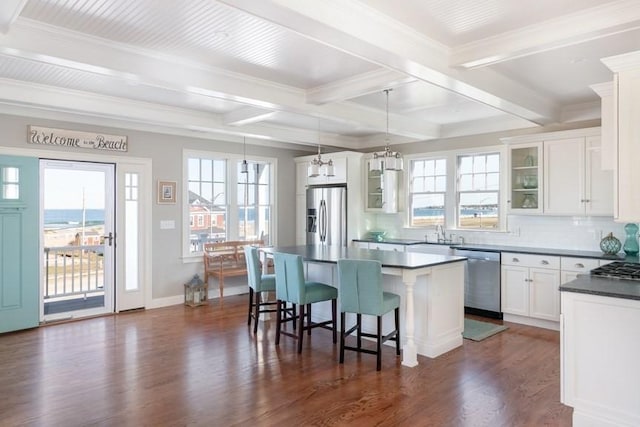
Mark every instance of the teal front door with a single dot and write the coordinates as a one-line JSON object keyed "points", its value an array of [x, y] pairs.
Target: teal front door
{"points": [[19, 234]]}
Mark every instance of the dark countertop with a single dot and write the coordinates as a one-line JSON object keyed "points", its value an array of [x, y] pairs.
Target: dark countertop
{"points": [[515, 249], [392, 259], [602, 286], [547, 251]]}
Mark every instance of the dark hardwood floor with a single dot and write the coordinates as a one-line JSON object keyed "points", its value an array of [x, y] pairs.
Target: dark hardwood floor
{"points": [[204, 366]]}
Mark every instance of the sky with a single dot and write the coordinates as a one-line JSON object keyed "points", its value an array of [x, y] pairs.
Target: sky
{"points": [[63, 189]]}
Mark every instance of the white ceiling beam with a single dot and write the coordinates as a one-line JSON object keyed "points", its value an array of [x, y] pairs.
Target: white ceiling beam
{"points": [[364, 32], [360, 85], [136, 113], [9, 12], [596, 22], [51, 45], [247, 115]]}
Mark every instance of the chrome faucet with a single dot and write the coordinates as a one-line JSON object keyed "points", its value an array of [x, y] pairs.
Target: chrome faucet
{"points": [[442, 236]]}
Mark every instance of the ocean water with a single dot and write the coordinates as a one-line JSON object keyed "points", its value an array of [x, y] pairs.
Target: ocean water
{"points": [[71, 217]]}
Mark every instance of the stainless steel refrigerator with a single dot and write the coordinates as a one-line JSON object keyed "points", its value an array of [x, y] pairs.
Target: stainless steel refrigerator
{"points": [[327, 215]]}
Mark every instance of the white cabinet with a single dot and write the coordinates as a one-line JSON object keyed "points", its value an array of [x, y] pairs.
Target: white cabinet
{"points": [[559, 173], [387, 247], [570, 267], [530, 287], [361, 245], [626, 110], [574, 183], [525, 181], [381, 190]]}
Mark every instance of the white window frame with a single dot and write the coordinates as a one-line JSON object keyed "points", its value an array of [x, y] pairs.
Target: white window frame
{"points": [[498, 192], [451, 198], [411, 193], [231, 189]]}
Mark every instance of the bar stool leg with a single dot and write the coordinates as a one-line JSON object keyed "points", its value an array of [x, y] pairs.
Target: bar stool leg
{"points": [[334, 316], [250, 305], [301, 326], [278, 320], [342, 320], [379, 345], [397, 313]]}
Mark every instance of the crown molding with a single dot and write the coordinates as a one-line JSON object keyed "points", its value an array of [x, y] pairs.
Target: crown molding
{"points": [[625, 62], [603, 89]]}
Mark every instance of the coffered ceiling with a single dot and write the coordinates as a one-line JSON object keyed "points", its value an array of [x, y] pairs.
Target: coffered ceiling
{"points": [[308, 72]]}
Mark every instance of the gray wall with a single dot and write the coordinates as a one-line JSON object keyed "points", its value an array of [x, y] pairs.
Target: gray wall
{"points": [[169, 271]]}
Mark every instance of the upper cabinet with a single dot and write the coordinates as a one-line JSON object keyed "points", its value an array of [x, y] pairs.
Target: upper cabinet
{"points": [[381, 190], [626, 134], [574, 182], [559, 173], [525, 178]]}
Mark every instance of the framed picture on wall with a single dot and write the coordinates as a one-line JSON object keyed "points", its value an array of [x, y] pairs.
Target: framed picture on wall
{"points": [[166, 192]]}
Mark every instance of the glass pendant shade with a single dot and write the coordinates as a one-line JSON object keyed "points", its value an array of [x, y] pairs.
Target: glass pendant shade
{"points": [[375, 164], [244, 167], [329, 171], [313, 170]]}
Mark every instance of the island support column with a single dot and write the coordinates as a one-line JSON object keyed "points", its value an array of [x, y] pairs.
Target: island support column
{"points": [[409, 351]]}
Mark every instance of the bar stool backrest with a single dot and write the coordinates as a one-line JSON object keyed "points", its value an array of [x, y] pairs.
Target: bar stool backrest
{"points": [[360, 285], [290, 283]]}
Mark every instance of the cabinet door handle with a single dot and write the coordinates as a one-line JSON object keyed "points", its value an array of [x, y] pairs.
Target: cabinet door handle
{"points": [[544, 262], [579, 265], [587, 200], [515, 260]]}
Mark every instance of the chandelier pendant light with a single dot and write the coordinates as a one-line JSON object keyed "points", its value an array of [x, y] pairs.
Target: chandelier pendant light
{"points": [[387, 159], [244, 167], [318, 166]]}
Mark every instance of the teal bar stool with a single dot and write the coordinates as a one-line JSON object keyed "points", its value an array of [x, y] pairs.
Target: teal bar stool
{"points": [[258, 283], [291, 287], [361, 293]]}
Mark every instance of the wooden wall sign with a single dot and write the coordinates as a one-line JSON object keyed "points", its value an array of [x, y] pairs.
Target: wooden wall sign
{"points": [[75, 139]]}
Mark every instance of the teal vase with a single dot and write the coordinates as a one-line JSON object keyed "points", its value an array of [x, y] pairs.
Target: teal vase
{"points": [[631, 242]]}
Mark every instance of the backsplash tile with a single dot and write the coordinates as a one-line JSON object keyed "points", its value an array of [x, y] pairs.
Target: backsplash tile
{"points": [[578, 233]]}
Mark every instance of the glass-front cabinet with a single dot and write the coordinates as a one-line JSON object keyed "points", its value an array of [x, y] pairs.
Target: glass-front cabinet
{"points": [[381, 189], [525, 178]]}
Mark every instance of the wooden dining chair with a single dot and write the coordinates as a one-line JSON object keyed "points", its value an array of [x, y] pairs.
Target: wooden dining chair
{"points": [[291, 287], [360, 284], [258, 283]]}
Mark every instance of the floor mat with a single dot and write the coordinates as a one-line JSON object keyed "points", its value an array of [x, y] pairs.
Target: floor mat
{"points": [[477, 331]]}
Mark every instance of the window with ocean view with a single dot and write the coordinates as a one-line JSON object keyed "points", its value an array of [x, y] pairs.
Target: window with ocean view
{"points": [[428, 188], [478, 191]]}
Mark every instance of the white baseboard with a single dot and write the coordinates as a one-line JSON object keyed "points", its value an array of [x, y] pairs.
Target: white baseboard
{"points": [[540, 323], [213, 295]]}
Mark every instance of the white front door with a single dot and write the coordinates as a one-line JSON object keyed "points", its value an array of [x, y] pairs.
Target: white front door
{"points": [[78, 237]]}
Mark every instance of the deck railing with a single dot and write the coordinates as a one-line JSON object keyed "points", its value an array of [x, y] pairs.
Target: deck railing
{"points": [[73, 270]]}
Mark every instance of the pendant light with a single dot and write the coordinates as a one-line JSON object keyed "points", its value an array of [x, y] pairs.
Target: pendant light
{"points": [[387, 159], [318, 166], [244, 167]]}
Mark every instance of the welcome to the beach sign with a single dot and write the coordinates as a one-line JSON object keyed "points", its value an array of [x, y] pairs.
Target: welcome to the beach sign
{"points": [[75, 139]]}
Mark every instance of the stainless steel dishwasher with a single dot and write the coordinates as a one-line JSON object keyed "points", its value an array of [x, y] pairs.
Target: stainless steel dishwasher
{"points": [[482, 283]]}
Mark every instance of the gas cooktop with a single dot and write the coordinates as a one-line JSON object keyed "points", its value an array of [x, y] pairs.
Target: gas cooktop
{"points": [[618, 270]]}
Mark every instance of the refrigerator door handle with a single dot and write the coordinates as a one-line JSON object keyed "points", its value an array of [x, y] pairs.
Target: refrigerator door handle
{"points": [[323, 221]]}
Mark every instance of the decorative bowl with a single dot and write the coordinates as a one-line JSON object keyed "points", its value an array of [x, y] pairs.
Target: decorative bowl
{"points": [[378, 236]]}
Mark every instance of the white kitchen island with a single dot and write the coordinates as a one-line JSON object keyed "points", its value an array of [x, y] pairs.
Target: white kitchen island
{"points": [[431, 289]]}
